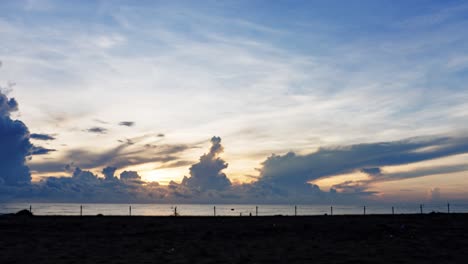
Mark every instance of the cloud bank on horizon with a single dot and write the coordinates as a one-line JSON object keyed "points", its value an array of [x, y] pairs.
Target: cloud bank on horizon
{"points": [[358, 100], [282, 178]]}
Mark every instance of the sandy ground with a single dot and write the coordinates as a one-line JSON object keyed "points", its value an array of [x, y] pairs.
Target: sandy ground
{"points": [[437, 238]]}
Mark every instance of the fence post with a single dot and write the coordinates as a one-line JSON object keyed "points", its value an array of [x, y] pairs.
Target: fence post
{"points": [[295, 210], [256, 210], [421, 208], [331, 210], [81, 210], [175, 211], [214, 210], [364, 210], [393, 210], [130, 210], [448, 208], [30, 208]]}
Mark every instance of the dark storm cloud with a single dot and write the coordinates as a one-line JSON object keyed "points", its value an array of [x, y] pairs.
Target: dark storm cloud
{"points": [[97, 130], [127, 123], [45, 137], [292, 169], [207, 173], [15, 146]]}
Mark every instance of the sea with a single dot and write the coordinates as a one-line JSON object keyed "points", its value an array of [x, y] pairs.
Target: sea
{"points": [[225, 209]]}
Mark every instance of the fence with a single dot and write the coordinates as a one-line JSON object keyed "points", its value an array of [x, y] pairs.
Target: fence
{"points": [[229, 210]]}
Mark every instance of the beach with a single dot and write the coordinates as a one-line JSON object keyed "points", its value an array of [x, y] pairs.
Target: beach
{"points": [[428, 238]]}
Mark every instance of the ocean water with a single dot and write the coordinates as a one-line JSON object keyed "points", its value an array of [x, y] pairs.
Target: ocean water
{"points": [[222, 209]]}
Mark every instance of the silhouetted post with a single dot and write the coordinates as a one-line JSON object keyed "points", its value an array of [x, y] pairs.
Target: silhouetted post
{"points": [[393, 210], [421, 208], [81, 210], [331, 210], [448, 208], [364, 210], [214, 210], [256, 210], [175, 211], [295, 210], [30, 208], [130, 210]]}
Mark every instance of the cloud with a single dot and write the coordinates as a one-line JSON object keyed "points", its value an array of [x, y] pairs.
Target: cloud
{"points": [[372, 171], [127, 123], [15, 146], [108, 173], [97, 130], [84, 186], [176, 164], [129, 176], [129, 152], [208, 183], [420, 172], [292, 169], [38, 136], [37, 150], [7, 106], [207, 173]]}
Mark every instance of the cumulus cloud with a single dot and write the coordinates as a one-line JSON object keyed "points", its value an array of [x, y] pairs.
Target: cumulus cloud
{"points": [[127, 123], [207, 173], [15, 146], [130, 176], [108, 173], [38, 136], [97, 130]]}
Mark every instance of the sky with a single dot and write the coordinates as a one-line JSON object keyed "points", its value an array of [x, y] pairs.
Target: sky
{"points": [[234, 101]]}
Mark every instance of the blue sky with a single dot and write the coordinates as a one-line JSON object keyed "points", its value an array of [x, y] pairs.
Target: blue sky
{"points": [[265, 76]]}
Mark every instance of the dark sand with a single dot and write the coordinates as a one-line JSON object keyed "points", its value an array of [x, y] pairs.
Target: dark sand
{"points": [[436, 238]]}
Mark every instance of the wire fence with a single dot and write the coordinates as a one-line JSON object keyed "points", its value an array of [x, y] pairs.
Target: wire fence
{"points": [[229, 209]]}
